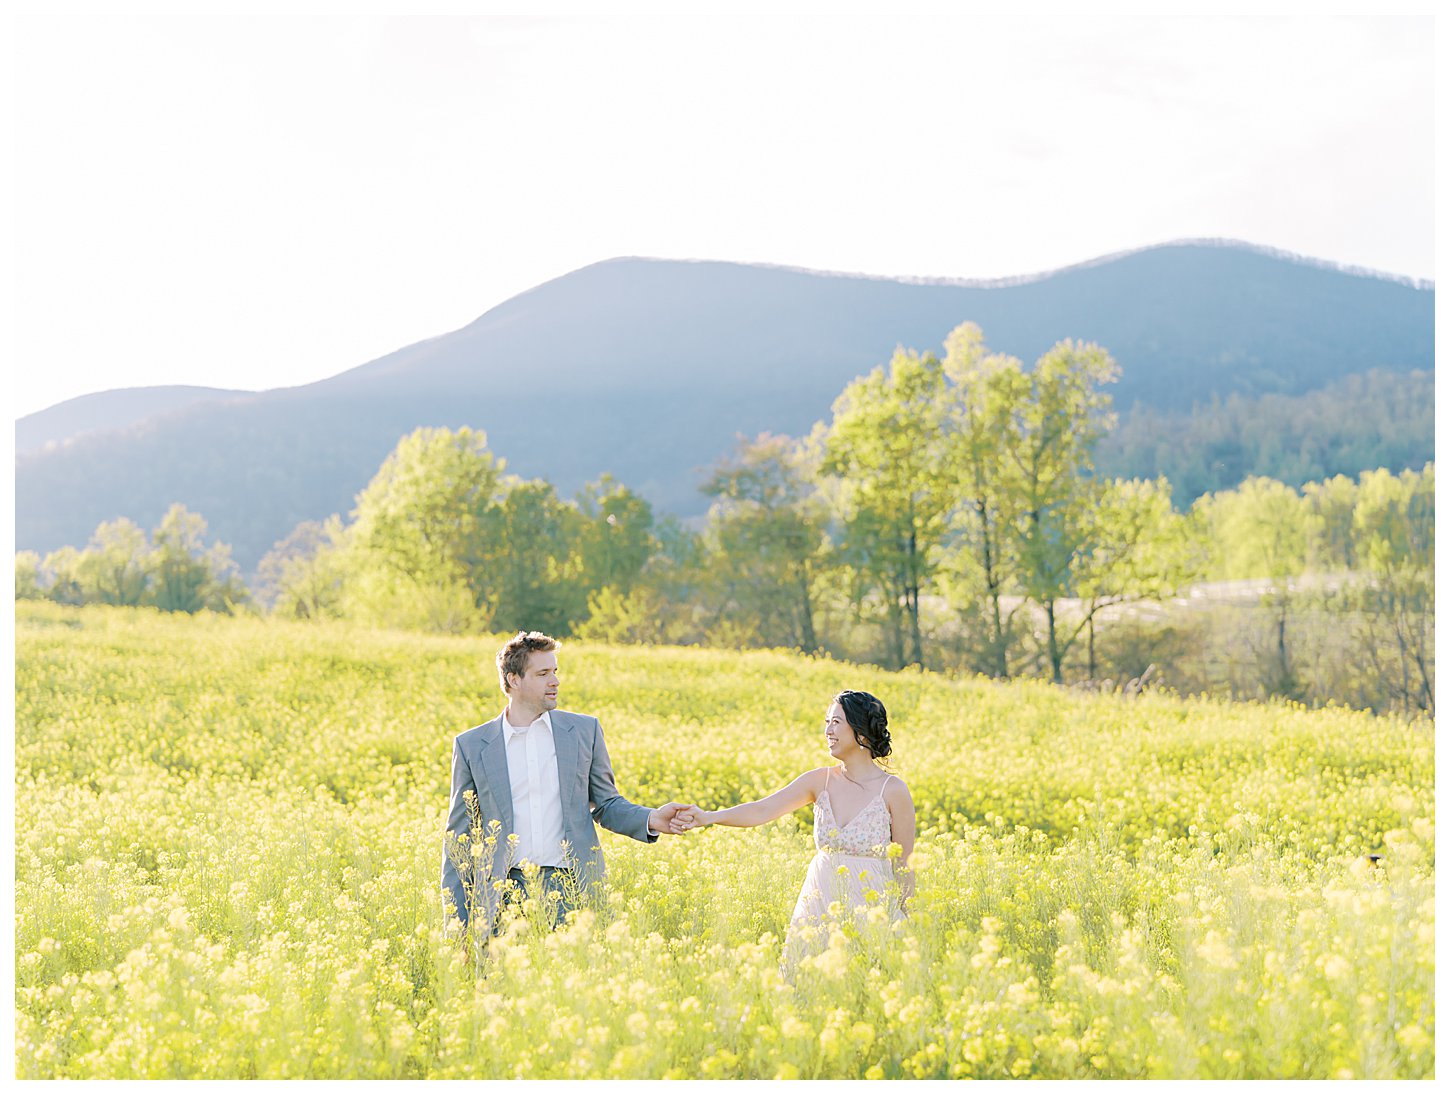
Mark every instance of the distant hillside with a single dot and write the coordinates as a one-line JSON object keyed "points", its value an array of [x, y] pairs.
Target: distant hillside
{"points": [[1366, 420], [648, 369], [110, 410]]}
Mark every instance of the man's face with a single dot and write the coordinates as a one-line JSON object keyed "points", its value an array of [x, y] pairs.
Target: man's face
{"points": [[538, 688]]}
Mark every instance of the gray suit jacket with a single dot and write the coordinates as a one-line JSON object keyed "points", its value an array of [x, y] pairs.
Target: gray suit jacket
{"points": [[586, 793]]}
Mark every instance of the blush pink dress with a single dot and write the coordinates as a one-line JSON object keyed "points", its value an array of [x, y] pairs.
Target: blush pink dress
{"points": [[850, 867]]}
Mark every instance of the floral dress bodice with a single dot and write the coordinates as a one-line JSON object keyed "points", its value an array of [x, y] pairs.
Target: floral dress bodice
{"points": [[867, 834]]}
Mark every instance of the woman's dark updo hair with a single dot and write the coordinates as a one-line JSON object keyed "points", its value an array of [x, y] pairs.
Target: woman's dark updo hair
{"points": [[866, 715]]}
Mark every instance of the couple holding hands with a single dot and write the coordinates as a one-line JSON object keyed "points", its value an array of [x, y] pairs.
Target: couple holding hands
{"points": [[540, 779]]}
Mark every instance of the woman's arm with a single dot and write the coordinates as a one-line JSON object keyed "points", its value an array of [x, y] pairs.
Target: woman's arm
{"points": [[792, 796], [903, 832]]}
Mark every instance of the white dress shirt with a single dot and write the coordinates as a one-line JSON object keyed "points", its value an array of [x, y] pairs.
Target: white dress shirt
{"points": [[534, 784]]}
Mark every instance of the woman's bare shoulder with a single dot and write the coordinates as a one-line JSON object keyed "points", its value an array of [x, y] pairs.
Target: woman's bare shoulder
{"points": [[815, 779], [896, 788]]}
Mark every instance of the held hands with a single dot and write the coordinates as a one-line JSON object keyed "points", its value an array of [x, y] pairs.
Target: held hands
{"points": [[674, 818], [666, 821], [692, 817]]}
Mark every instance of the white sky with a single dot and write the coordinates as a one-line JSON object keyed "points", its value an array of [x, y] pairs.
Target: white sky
{"points": [[263, 194]]}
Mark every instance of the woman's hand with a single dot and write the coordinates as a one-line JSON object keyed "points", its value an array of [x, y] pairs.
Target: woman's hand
{"points": [[666, 820], [693, 817]]}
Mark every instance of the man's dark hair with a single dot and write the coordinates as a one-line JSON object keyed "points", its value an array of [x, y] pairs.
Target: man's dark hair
{"points": [[514, 655]]}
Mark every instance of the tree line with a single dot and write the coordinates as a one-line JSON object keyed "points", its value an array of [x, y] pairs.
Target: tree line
{"points": [[948, 515], [1373, 419], [173, 569]]}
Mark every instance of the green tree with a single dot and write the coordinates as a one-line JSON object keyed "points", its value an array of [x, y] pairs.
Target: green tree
{"points": [[767, 534], [530, 574], [1394, 524], [302, 576], [60, 576], [186, 574], [674, 573], [1262, 531], [28, 577], [1332, 502], [114, 568], [617, 538], [884, 451], [634, 618], [663, 606], [978, 570], [419, 539], [1135, 547], [1057, 416]]}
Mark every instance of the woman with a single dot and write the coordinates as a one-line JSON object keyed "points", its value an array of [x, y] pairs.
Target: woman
{"points": [[860, 810]]}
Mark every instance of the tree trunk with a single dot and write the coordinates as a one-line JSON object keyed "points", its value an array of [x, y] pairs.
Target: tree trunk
{"points": [[808, 623], [1053, 654], [999, 639], [913, 598], [1427, 686], [895, 639], [994, 594], [1285, 678], [1400, 626]]}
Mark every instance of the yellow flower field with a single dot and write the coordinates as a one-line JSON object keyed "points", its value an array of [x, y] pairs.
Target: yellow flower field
{"points": [[228, 835]]}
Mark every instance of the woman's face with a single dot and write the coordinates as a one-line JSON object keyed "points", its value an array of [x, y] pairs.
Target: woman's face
{"points": [[840, 739]]}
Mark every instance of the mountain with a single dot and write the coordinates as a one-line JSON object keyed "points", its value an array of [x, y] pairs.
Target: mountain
{"points": [[109, 410], [649, 369]]}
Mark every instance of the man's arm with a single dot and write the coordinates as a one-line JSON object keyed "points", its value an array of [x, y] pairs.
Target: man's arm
{"points": [[458, 825], [613, 810]]}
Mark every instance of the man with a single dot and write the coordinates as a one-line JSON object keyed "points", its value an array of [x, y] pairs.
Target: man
{"points": [[544, 776]]}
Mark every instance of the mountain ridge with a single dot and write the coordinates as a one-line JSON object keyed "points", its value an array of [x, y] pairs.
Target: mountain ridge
{"points": [[648, 369], [1351, 269], [107, 410], [1348, 269]]}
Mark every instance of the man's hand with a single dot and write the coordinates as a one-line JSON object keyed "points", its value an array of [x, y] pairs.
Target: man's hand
{"points": [[692, 817], [666, 819]]}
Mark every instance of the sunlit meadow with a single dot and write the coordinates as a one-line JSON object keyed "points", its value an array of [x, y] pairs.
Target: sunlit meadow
{"points": [[228, 836]]}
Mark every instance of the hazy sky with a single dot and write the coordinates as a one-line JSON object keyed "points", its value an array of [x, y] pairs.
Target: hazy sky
{"points": [[257, 195]]}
